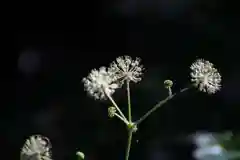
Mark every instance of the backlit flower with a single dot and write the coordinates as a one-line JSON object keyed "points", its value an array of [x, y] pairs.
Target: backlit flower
{"points": [[205, 77], [125, 68], [99, 83]]}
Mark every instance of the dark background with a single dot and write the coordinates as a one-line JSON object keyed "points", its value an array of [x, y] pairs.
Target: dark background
{"points": [[57, 47]]}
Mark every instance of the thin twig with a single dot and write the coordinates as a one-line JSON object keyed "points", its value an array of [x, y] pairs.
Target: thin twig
{"points": [[159, 104], [116, 106], [121, 118]]}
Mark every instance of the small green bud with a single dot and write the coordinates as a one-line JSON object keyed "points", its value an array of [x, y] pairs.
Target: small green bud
{"points": [[134, 129], [168, 84], [80, 155], [111, 112], [132, 126]]}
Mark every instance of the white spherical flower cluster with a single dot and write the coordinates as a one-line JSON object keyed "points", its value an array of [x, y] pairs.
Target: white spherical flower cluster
{"points": [[125, 68], [103, 82], [99, 83], [36, 147], [205, 76]]}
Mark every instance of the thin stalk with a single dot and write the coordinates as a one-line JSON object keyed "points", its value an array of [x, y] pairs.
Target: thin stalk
{"points": [[129, 103], [130, 132], [121, 118], [169, 91], [116, 106], [158, 105]]}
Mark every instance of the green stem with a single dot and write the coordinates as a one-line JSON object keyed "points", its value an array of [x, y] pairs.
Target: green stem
{"points": [[121, 118], [169, 91], [159, 104], [129, 102], [116, 106], [130, 129], [130, 132]]}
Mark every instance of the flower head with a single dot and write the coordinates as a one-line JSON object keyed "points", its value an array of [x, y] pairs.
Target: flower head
{"points": [[36, 147], [205, 76], [99, 83], [126, 69]]}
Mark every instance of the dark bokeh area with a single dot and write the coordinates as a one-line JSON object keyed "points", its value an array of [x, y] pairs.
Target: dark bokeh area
{"points": [[56, 52]]}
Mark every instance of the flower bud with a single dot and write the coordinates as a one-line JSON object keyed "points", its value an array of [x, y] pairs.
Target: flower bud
{"points": [[111, 111], [132, 126], [168, 84]]}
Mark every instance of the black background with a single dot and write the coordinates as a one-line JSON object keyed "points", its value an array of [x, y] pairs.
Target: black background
{"points": [[72, 39]]}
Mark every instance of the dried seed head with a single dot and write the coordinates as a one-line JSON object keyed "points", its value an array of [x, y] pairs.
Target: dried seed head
{"points": [[205, 77]]}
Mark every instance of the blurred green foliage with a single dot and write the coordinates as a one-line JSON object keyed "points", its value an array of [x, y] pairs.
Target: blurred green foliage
{"points": [[231, 142]]}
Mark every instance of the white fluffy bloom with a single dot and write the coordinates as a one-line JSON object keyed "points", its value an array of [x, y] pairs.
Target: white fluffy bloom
{"points": [[208, 148], [99, 83], [204, 140], [215, 152], [205, 76], [125, 68], [36, 147]]}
